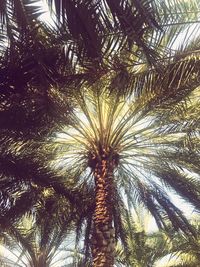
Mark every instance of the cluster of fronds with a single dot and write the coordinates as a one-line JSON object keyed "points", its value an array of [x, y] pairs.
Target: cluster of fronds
{"points": [[104, 73]]}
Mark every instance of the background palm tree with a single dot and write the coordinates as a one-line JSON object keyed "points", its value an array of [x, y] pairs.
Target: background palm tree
{"points": [[119, 98], [185, 249], [144, 248], [43, 238], [156, 248]]}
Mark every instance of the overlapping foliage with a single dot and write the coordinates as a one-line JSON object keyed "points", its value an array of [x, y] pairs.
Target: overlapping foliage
{"points": [[117, 79]]}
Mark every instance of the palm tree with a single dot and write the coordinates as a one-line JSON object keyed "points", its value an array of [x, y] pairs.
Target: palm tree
{"points": [[42, 239], [132, 145], [144, 247], [185, 249], [130, 130]]}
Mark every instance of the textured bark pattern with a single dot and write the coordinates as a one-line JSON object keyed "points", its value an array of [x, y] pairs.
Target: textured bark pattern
{"points": [[103, 235], [41, 260]]}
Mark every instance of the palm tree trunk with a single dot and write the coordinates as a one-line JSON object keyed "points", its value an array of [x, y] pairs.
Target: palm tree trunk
{"points": [[103, 234]]}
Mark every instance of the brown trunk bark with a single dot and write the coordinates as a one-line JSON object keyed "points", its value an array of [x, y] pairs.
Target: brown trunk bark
{"points": [[41, 260], [103, 234]]}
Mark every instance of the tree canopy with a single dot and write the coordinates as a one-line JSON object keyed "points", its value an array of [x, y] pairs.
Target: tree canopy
{"points": [[101, 107]]}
